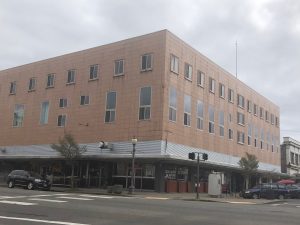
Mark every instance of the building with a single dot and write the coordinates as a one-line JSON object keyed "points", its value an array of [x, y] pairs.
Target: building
{"points": [[290, 156], [153, 87]]}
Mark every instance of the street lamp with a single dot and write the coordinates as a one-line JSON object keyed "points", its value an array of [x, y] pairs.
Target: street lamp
{"points": [[131, 188]]}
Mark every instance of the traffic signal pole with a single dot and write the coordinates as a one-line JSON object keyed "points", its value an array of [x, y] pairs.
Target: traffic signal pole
{"points": [[198, 175]]}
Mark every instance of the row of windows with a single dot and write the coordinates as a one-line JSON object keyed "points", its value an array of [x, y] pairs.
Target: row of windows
{"points": [[295, 158], [146, 65], [110, 109], [188, 72], [211, 123]]}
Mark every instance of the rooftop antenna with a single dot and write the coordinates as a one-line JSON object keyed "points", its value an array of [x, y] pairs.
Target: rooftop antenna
{"points": [[236, 59]]}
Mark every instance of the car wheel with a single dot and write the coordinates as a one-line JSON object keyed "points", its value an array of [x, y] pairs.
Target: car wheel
{"points": [[281, 197], [30, 186], [255, 196], [11, 184]]}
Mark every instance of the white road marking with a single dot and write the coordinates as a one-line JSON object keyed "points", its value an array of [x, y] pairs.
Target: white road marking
{"points": [[20, 196], [276, 204], [17, 203], [36, 196], [45, 200], [40, 221], [62, 194], [97, 196], [298, 206], [245, 203], [158, 198], [75, 198]]}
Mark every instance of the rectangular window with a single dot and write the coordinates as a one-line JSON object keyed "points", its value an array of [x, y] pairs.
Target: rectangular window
{"points": [[187, 110], [93, 72], [174, 64], [211, 123], [249, 106], [200, 78], [240, 118], [222, 90], [188, 71], [261, 113], [172, 104], [110, 113], [255, 109], [212, 85], [119, 67], [221, 123], [50, 80], [256, 130], [32, 83], [230, 95], [146, 63], [12, 88], [276, 121], [241, 101], [63, 102], [44, 113], [145, 103], [230, 134], [249, 134], [240, 137], [18, 115], [267, 116], [71, 77], [272, 119], [262, 138], [84, 100], [61, 120], [200, 111]]}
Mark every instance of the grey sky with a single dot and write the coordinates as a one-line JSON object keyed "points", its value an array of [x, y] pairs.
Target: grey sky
{"points": [[267, 32]]}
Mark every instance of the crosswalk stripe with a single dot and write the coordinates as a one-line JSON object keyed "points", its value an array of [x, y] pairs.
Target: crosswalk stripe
{"points": [[46, 200], [158, 198], [244, 203], [298, 206], [97, 196], [75, 198], [17, 203]]}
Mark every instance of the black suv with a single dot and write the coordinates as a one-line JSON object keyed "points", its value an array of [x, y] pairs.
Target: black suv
{"points": [[273, 190], [30, 180]]}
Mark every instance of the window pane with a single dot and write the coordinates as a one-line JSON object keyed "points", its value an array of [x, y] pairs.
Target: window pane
{"points": [[145, 96], [44, 113], [18, 115], [111, 100], [187, 103]]}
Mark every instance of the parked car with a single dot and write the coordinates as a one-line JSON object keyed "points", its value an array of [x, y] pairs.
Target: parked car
{"points": [[273, 190], [28, 179], [253, 192], [294, 191]]}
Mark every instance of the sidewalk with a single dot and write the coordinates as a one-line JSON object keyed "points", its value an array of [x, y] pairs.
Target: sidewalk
{"points": [[235, 199]]}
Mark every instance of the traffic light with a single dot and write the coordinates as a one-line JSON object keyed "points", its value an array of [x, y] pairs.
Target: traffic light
{"points": [[204, 156], [192, 155]]}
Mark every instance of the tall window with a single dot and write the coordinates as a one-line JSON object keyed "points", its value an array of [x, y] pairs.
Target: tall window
{"points": [[240, 137], [240, 118], [50, 80], [249, 134], [110, 113], [276, 121], [32, 83], [255, 109], [200, 115], [145, 103], [230, 134], [222, 90], [12, 88], [119, 67], [84, 100], [212, 85], [200, 78], [241, 101], [71, 77], [221, 123], [267, 116], [256, 131], [18, 115], [172, 104], [44, 112], [93, 72], [63, 102], [187, 110], [174, 64], [249, 106], [61, 120], [262, 138], [188, 71], [272, 119], [261, 113], [146, 63], [230, 95], [211, 123]]}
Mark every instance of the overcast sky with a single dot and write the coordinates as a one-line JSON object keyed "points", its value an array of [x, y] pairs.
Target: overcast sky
{"points": [[267, 33]]}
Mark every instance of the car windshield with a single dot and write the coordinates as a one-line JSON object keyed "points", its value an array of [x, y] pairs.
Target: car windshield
{"points": [[35, 175]]}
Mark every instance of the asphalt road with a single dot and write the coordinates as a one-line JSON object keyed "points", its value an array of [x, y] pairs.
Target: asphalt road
{"points": [[19, 206]]}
